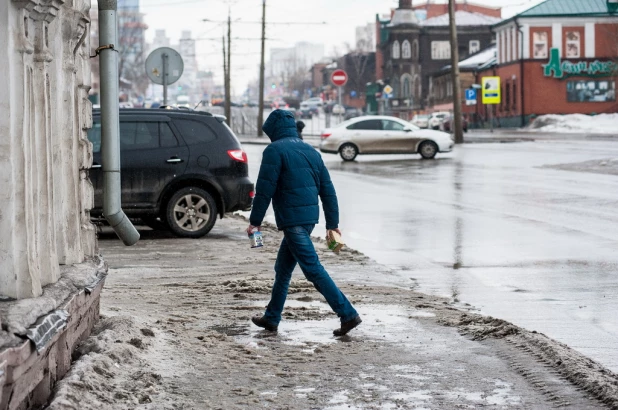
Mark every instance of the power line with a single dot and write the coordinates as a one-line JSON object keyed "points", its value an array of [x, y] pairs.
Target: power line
{"points": [[283, 23]]}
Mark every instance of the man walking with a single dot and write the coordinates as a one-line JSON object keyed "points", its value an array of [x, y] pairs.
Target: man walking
{"points": [[293, 176]]}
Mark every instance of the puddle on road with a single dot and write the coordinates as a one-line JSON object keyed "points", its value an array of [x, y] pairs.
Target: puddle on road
{"points": [[388, 323]]}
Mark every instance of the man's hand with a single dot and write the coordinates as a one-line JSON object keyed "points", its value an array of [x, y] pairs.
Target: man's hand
{"points": [[251, 228], [328, 231]]}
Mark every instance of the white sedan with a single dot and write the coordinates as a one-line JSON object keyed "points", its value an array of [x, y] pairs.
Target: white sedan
{"points": [[379, 134]]}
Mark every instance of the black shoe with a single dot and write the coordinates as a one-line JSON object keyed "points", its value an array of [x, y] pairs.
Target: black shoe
{"points": [[347, 326], [261, 322]]}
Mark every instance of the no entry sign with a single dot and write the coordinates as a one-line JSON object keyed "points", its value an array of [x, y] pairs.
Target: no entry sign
{"points": [[339, 77]]}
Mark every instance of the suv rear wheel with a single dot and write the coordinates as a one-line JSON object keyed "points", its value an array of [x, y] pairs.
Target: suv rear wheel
{"points": [[191, 212]]}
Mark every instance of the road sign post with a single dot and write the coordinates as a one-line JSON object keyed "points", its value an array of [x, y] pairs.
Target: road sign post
{"points": [[164, 66], [164, 70], [339, 78], [490, 89]]}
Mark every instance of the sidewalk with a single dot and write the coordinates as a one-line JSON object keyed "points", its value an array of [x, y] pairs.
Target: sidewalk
{"points": [[176, 334]]}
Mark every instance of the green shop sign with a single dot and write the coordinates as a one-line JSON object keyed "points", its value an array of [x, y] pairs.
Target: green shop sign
{"points": [[581, 68]]}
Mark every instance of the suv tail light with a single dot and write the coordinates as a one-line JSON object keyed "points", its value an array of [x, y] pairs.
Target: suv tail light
{"points": [[325, 135], [238, 155]]}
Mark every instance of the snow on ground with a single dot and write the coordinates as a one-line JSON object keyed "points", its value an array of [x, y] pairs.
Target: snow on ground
{"points": [[176, 333], [576, 123]]}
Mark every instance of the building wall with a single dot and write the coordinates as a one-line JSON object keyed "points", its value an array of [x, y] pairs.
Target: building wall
{"points": [[543, 94], [44, 114], [431, 66], [606, 40]]}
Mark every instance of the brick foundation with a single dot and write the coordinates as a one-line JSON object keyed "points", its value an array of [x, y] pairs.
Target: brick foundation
{"points": [[27, 377]]}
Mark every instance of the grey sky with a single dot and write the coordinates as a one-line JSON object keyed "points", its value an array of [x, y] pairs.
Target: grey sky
{"points": [[341, 17]]}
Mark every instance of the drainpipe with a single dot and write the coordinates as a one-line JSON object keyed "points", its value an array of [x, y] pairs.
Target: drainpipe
{"points": [[521, 72], [110, 124]]}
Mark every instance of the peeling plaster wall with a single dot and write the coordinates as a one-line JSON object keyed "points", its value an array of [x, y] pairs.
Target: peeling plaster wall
{"points": [[44, 152]]}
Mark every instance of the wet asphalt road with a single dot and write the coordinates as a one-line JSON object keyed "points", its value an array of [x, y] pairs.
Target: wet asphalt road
{"points": [[488, 225]]}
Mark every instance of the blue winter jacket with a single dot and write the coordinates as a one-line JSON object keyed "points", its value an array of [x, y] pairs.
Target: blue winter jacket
{"points": [[293, 175]]}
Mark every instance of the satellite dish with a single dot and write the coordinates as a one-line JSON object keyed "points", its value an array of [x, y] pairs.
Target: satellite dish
{"points": [[164, 62]]}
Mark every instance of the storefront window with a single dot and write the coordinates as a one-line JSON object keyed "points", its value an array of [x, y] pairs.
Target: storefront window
{"points": [[591, 91], [539, 42], [573, 44]]}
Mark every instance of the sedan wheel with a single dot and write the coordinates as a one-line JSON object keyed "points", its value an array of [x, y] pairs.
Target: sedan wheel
{"points": [[348, 152], [428, 149], [191, 212]]}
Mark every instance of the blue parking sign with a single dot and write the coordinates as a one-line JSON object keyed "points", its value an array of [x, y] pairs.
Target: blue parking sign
{"points": [[471, 94]]}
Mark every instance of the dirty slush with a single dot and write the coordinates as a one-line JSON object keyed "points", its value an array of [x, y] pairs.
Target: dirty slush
{"points": [[175, 333]]}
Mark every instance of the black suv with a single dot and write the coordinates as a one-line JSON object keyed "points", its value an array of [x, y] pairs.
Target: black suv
{"points": [[179, 169]]}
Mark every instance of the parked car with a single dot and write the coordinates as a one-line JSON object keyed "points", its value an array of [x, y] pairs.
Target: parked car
{"points": [[448, 123], [371, 134], [421, 120], [279, 104], [314, 101], [436, 119], [352, 112], [180, 169], [308, 111]]}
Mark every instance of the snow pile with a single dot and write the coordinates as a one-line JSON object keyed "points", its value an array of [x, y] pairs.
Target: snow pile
{"points": [[110, 372], [576, 123]]}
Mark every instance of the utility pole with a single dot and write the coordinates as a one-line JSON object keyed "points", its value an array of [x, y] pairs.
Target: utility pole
{"points": [[261, 102], [228, 78], [225, 95], [457, 126]]}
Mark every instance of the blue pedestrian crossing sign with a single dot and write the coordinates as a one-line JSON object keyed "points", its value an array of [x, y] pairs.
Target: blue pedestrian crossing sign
{"points": [[470, 96]]}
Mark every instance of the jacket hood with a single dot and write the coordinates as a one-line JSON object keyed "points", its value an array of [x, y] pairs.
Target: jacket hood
{"points": [[280, 124]]}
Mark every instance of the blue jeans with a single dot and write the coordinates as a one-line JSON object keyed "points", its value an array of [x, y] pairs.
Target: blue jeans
{"points": [[297, 248]]}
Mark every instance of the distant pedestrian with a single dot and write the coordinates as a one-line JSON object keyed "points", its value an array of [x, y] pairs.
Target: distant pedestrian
{"points": [[300, 126], [293, 176]]}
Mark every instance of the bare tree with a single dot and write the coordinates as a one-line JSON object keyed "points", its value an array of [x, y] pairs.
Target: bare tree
{"points": [[356, 63], [132, 53]]}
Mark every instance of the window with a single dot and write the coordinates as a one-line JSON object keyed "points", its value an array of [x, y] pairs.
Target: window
{"points": [[474, 46], [591, 91], [507, 96], [168, 139], [573, 44], [406, 87], [539, 43], [406, 49], [388, 125], [94, 135], [449, 88], [514, 96], [195, 132], [374, 125], [146, 135], [440, 50], [395, 52], [415, 50], [139, 135]]}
